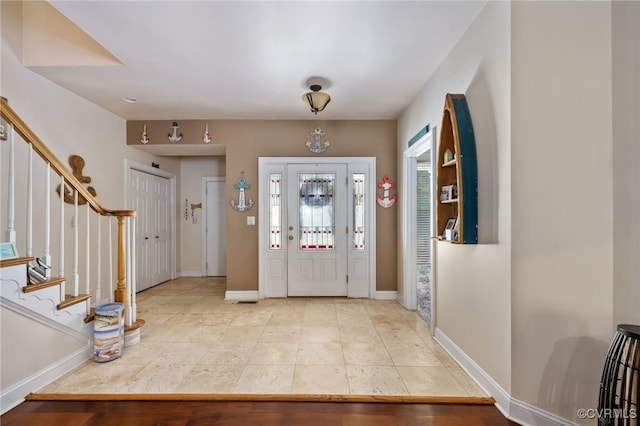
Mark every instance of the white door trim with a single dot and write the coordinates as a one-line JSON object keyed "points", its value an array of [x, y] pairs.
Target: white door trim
{"points": [[278, 165], [134, 165], [409, 222], [203, 226]]}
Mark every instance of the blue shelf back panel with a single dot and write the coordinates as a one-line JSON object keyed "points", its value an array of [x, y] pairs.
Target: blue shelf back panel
{"points": [[468, 163]]}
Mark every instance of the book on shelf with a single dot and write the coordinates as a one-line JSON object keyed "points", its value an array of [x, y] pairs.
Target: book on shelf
{"points": [[35, 276]]}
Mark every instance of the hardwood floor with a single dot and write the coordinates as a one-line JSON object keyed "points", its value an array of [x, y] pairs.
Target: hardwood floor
{"points": [[264, 413]]}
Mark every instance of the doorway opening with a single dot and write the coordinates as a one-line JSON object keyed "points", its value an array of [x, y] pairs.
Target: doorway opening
{"points": [[418, 202]]}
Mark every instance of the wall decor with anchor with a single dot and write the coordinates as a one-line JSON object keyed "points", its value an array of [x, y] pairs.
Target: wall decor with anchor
{"points": [[77, 164], [241, 205]]}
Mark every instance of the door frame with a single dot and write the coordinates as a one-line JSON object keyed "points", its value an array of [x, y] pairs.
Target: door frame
{"points": [[266, 165], [204, 225], [409, 223], [134, 165]]}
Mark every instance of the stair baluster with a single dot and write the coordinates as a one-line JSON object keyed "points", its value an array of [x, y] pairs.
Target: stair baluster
{"points": [[47, 221], [11, 224]]}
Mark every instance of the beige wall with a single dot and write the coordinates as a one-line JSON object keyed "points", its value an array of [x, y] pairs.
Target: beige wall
{"points": [[562, 211], [246, 140], [626, 157], [192, 170], [472, 282]]}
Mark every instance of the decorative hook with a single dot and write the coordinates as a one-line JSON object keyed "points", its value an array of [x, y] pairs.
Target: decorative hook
{"points": [[241, 206], [144, 139], [386, 201], [206, 138], [316, 147], [175, 137]]}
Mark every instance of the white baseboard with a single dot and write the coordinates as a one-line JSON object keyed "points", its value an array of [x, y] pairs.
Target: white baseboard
{"points": [[15, 394], [386, 295], [191, 273], [518, 411], [246, 295]]}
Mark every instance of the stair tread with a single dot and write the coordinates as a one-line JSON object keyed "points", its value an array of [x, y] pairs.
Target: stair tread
{"points": [[70, 300], [16, 261], [45, 284]]}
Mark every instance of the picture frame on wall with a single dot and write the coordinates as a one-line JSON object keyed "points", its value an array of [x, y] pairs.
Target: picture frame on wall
{"points": [[8, 251]]}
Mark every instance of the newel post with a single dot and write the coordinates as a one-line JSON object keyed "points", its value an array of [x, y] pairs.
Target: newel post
{"points": [[120, 294]]}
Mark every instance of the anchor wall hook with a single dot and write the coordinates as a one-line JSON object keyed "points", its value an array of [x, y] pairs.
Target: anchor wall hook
{"points": [[386, 185], [175, 137], [316, 147], [206, 138], [144, 139], [241, 205]]}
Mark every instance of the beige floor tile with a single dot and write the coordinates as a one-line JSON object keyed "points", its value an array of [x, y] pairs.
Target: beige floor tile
{"points": [[319, 333], [436, 381], [265, 379], [159, 377], [366, 354], [194, 341], [183, 353], [359, 334], [466, 382], [412, 354], [375, 380], [281, 333], [211, 379], [274, 354], [228, 353], [327, 353], [320, 379], [237, 334]]}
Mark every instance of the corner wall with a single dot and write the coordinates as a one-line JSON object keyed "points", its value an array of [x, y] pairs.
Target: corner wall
{"points": [[472, 282]]}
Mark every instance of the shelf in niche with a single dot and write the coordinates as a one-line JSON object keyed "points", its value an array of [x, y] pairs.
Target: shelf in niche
{"points": [[455, 200], [451, 163]]}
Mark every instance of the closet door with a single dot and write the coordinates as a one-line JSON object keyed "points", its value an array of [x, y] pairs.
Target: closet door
{"points": [[161, 228], [140, 197], [150, 196]]}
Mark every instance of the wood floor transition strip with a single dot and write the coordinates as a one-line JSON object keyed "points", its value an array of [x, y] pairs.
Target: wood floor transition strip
{"points": [[399, 399]]}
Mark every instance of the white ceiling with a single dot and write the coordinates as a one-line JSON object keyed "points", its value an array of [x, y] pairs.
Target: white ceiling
{"points": [[250, 60]]}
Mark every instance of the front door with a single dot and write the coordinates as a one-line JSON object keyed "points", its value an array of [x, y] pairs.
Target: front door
{"points": [[317, 229]]}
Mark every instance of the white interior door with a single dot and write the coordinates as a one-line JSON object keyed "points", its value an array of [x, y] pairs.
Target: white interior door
{"points": [[215, 228], [317, 229], [160, 217], [150, 196], [140, 200]]}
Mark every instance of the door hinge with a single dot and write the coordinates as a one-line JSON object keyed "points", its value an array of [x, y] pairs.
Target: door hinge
{"points": [[347, 230], [347, 278]]}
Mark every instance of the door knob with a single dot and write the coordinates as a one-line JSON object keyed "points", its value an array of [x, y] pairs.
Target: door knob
{"points": [[146, 238], [290, 237], [157, 236], [290, 228]]}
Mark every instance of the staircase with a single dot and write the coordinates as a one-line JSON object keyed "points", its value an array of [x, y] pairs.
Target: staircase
{"points": [[53, 219]]}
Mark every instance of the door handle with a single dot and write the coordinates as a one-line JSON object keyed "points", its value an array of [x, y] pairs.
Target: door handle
{"points": [[146, 238], [157, 236], [291, 237]]}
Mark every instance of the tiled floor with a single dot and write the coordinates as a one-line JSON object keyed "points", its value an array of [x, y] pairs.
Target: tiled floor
{"points": [[196, 342]]}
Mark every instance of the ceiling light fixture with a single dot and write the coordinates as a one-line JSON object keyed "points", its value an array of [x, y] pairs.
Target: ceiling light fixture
{"points": [[316, 99], [130, 100]]}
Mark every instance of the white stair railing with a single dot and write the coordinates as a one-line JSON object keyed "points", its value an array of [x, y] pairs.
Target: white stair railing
{"points": [[31, 186]]}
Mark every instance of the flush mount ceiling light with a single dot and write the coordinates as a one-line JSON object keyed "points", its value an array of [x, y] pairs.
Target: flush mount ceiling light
{"points": [[130, 100], [316, 99]]}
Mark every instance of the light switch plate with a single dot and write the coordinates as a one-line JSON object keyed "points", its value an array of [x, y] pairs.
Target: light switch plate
{"points": [[251, 220]]}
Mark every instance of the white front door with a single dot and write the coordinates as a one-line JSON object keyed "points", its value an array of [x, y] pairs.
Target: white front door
{"points": [[316, 231]]}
